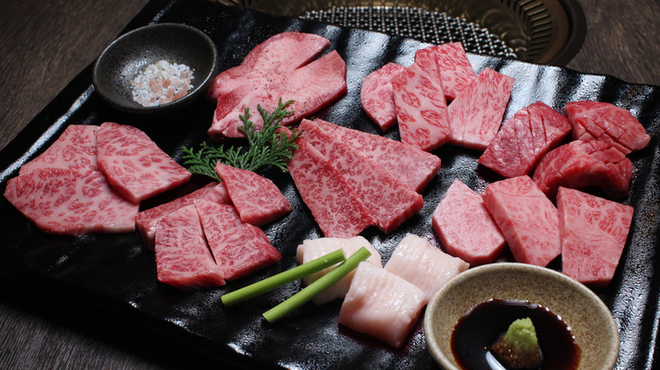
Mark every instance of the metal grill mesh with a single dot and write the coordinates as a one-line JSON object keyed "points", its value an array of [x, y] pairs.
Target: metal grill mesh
{"points": [[420, 24]]}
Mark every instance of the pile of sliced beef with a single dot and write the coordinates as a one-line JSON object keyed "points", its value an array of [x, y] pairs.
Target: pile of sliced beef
{"points": [[438, 99], [543, 155], [92, 179], [283, 66], [351, 180]]}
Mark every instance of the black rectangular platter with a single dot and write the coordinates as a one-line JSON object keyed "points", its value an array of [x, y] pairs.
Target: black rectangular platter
{"points": [[117, 275]]}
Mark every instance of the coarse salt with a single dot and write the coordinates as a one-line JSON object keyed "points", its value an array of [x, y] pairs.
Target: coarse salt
{"points": [[161, 82]]}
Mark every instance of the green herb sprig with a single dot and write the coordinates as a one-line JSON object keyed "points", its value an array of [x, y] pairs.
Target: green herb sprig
{"points": [[266, 147]]}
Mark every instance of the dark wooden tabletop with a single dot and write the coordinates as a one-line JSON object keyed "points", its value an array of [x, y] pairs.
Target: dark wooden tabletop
{"points": [[44, 44]]}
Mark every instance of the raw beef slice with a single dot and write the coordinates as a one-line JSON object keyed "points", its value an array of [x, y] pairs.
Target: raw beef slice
{"points": [[477, 112], [63, 201], [256, 198], [312, 249], [593, 232], [411, 165], [580, 164], [311, 86], [278, 55], [239, 248], [422, 264], [334, 204], [75, 149], [134, 164], [183, 259], [465, 227], [524, 139], [377, 97], [389, 200], [606, 122], [451, 61], [527, 219], [381, 304], [421, 109], [147, 220]]}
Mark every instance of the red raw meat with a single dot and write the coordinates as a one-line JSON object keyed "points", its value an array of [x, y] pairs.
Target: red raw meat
{"points": [[333, 203], [63, 201], [409, 164], [593, 232], [477, 112], [377, 97], [465, 226], [524, 139], [239, 248], [183, 259], [75, 149], [451, 61], [389, 200], [256, 198], [421, 109], [527, 219], [606, 122], [147, 220], [278, 55], [311, 87], [579, 164], [134, 164]]}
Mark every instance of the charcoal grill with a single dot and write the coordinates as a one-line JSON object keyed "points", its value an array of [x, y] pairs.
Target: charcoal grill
{"points": [[540, 31]]}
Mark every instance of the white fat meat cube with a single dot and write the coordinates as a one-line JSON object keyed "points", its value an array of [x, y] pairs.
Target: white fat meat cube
{"points": [[313, 249], [425, 266], [381, 304]]}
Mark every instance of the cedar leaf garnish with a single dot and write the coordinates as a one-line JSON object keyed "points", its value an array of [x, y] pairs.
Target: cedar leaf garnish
{"points": [[266, 147]]}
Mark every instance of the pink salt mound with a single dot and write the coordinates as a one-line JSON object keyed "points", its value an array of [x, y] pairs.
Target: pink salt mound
{"points": [[593, 233], [335, 206], [134, 164], [580, 164], [75, 150], [465, 226], [256, 198], [477, 112], [183, 259], [239, 248], [527, 219], [411, 165], [421, 108], [376, 95], [147, 220], [608, 123], [524, 139]]}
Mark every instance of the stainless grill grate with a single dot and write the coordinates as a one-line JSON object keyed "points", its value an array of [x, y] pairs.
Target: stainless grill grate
{"points": [[542, 31], [430, 27]]}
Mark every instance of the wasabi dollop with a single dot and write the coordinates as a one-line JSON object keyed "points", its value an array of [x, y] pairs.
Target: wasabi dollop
{"points": [[519, 347]]}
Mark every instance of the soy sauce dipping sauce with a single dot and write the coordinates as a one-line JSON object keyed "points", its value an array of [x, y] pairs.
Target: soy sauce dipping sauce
{"points": [[480, 327]]}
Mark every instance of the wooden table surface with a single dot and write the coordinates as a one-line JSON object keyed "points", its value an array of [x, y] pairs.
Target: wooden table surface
{"points": [[44, 44]]}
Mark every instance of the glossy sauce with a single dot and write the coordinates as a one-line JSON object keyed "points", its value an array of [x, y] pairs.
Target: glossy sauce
{"points": [[482, 325]]}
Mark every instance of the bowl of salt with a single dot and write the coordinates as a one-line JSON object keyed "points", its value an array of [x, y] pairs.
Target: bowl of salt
{"points": [[156, 68]]}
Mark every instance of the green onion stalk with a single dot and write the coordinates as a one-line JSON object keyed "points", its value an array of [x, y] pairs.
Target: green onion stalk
{"points": [[283, 278], [317, 287]]}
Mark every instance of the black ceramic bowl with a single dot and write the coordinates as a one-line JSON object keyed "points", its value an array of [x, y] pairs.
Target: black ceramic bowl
{"points": [[131, 53]]}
